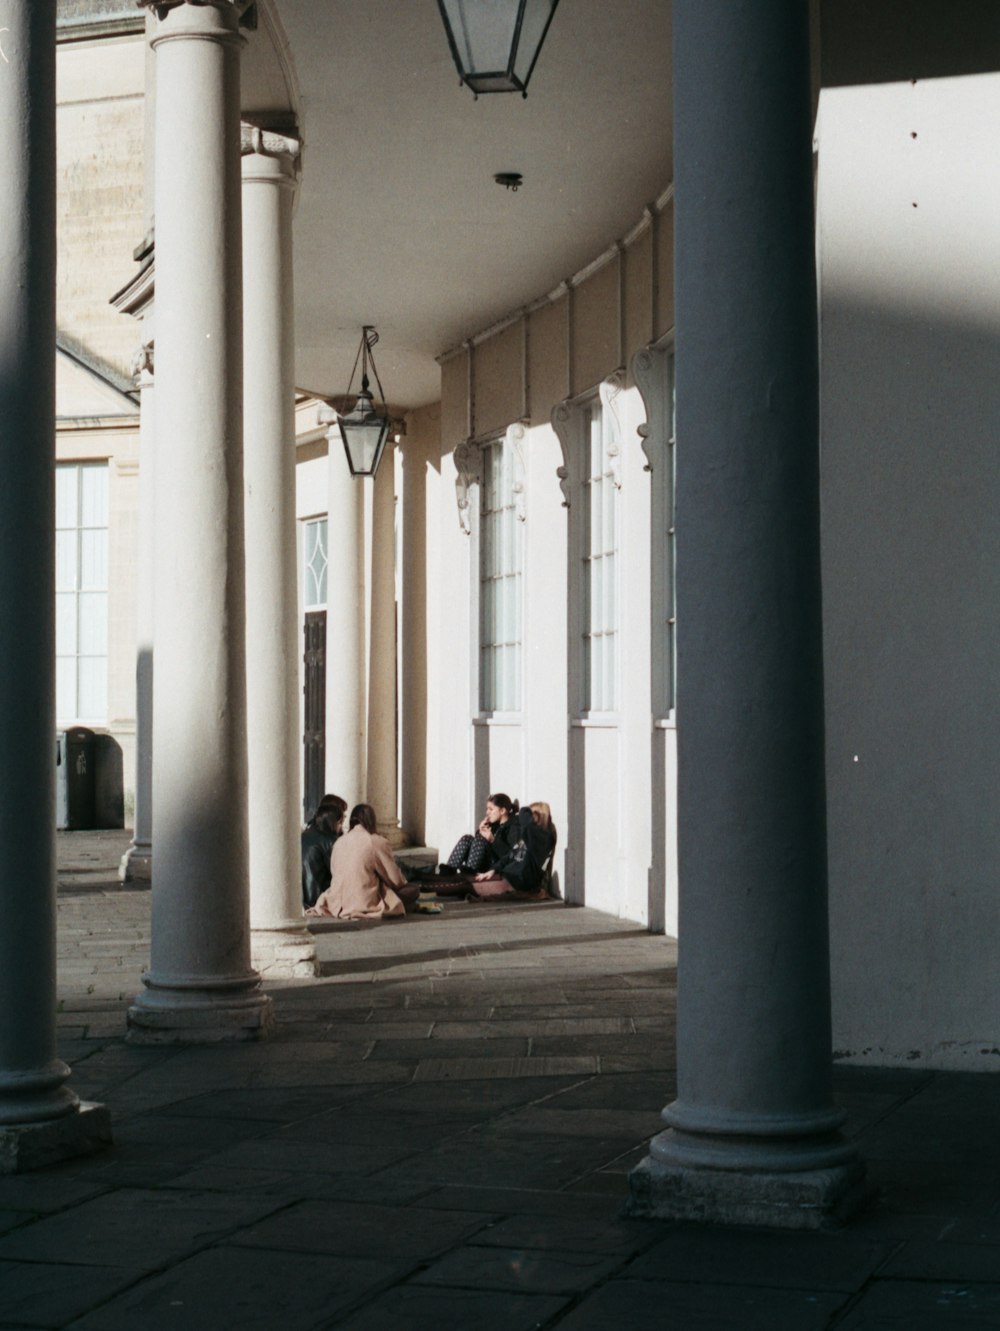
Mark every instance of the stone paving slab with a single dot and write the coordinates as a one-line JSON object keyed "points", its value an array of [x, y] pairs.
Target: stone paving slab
{"points": [[387, 1160], [52, 1294], [641, 1305], [252, 1291]]}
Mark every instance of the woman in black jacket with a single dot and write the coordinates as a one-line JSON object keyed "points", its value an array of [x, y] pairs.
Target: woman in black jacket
{"points": [[492, 840], [519, 874]]}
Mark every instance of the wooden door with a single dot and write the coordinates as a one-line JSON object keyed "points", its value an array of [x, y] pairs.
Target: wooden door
{"points": [[314, 736]]}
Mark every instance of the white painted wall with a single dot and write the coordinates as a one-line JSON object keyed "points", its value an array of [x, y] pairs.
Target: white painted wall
{"points": [[909, 244]]}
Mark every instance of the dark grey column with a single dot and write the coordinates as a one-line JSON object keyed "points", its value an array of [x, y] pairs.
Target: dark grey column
{"points": [[752, 1136], [40, 1118]]}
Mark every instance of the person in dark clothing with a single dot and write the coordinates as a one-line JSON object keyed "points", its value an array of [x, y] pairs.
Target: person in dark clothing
{"points": [[491, 840], [518, 874], [318, 838]]}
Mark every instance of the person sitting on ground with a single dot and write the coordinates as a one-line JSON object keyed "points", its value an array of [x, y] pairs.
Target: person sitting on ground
{"points": [[318, 838], [365, 881], [518, 875], [491, 841]]}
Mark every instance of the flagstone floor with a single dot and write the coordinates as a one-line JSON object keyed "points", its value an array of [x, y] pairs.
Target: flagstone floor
{"points": [[439, 1135]]}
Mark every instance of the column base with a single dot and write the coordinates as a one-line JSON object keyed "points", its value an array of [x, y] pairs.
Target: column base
{"points": [[137, 864], [288, 953], [27, 1146], [394, 834], [177, 1016], [810, 1199]]}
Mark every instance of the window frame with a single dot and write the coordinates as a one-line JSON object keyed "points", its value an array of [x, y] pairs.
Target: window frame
{"points": [[500, 564], [83, 587]]}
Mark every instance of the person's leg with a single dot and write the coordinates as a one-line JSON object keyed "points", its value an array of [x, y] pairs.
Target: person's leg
{"points": [[456, 860], [477, 857]]}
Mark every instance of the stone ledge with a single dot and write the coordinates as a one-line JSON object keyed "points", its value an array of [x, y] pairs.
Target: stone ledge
{"points": [[30, 1146], [810, 1199]]}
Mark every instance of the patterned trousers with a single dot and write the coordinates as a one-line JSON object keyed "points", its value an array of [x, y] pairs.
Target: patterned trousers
{"points": [[472, 853]]}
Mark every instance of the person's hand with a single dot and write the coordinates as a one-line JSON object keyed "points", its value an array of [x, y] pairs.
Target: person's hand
{"points": [[485, 831], [488, 877]]}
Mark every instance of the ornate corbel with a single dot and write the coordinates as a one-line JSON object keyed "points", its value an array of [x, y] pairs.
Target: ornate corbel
{"points": [[468, 467], [143, 362], [609, 391], [514, 440], [650, 370], [566, 423]]}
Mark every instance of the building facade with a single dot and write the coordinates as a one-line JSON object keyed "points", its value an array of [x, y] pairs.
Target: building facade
{"points": [[666, 536]]}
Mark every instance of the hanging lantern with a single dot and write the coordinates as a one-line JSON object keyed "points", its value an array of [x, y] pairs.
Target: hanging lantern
{"points": [[364, 429], [495, 43]]}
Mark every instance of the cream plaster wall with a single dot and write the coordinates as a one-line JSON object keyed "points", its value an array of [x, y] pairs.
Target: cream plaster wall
{"points": [[598, 777], [99, 192], [909, 243], [100, 221]]}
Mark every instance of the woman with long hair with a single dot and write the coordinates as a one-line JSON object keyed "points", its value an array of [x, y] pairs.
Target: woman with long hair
{"points": [[318, 839], [365, 881], [491, 840], [520, 874]]}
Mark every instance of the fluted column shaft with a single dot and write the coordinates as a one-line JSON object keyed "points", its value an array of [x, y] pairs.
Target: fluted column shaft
{"points": [[37, 1111], [280, 943], [382, 653], [752, 1136], [200, 985], [345, 629]]}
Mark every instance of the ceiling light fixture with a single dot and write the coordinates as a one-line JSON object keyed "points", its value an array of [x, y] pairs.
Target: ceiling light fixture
{"points": [[495, 43]]}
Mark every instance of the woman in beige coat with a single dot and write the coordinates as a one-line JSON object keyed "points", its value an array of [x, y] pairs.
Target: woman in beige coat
{"points": [[365, 881]]}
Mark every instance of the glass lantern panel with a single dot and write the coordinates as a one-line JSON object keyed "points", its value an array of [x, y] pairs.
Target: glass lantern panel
{"points": [[537, 14], [483, 33]]}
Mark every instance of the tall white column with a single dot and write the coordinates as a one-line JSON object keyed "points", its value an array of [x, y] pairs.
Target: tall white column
{"points": [[41, 1119], [345, 627], [752, 1137], [382, 653], [200, 986], [137, 862], [280, 944]]}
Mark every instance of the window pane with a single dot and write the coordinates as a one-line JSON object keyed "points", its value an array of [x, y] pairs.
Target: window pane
{"points": [[66, 688], [94, 496], [315, 572], [500, 556], [93, 623], [93, 688], [65, 623], [94, 560], [66, 550], [66, 495]]}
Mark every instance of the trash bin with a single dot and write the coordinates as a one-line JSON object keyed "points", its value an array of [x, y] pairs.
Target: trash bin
{"points": [[75, 785]]}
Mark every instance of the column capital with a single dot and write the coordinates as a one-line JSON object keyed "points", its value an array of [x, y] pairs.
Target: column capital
{"points": [[268, 142], [161, 8], [270, 155]]}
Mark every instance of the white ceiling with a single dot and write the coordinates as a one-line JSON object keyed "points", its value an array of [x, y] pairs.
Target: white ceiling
{"points": [[399, 222]]}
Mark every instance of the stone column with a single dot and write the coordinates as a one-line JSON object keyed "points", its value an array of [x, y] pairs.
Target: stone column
{"points": [[137, 862], [752, 1137], [382, 652], [280, 943], [41, 1119], [200, 986], [345, 625]]}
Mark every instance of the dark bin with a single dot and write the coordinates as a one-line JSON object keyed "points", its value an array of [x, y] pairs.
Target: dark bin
{"points": [[75, 779]]}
